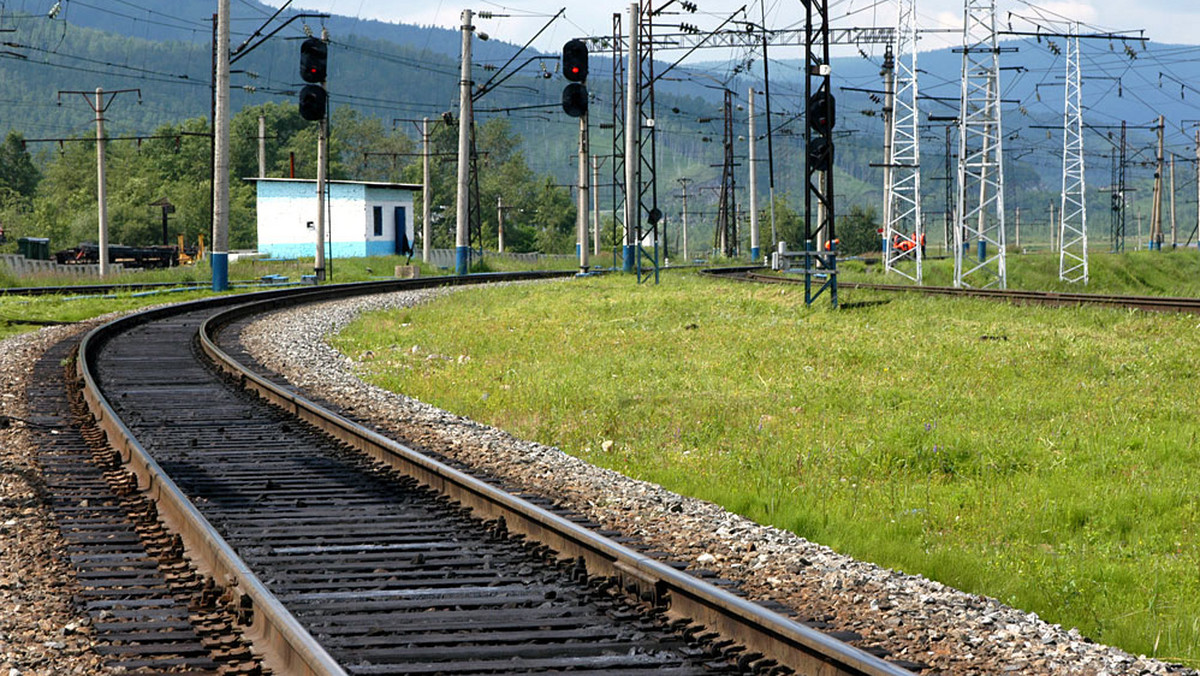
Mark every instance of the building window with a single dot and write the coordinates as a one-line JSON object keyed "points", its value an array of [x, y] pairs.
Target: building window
{"points": [[378, 221]]}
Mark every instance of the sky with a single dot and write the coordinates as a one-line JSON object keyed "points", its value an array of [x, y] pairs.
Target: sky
{"points": [[1170, 21]]}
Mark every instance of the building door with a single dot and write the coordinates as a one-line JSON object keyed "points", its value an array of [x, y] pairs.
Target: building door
{"points": [[403, 246]]}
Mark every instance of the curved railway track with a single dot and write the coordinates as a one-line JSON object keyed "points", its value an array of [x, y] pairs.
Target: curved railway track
{"points": [[1053, 298], [347, 552]]}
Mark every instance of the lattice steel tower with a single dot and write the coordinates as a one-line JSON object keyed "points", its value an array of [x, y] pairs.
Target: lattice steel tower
{"points": [[1072, 230], [980, 201], [904, 231]]}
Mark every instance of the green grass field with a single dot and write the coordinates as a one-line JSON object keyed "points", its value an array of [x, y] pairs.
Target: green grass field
{"points": [[1046, 457]]}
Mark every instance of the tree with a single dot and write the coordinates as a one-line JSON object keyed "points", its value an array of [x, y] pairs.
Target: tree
{"points": [[17, 171], [859, 231]]}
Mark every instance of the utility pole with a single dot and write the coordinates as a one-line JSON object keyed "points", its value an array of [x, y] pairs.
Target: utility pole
{"points": [[262, 146], [462, 249], [633, 139], [500, 223], [99, 106], [1053, 228], [1155, 240], [726, 239], [322, 179], [753, 160], [1018, 237], [1174, 228], [683, 182], [1198, 189], [426, 194], [581, 204], [904, 223], [595, 206], [220, 242]]}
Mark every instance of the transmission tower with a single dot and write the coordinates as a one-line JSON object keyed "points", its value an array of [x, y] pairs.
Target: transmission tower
{"points": [[1072, 232], [618, 139], [726, 235], [980, 210], [904, 233]]}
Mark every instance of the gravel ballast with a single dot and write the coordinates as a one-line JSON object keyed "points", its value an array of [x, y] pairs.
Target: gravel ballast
{"points": [[914, 618], [42, 631]]}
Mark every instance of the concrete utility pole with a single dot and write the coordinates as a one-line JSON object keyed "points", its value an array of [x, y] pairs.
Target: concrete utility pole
{"points": [[581, 204], [633, 136], [426, 194], [500, 223], [101, 192], [684, 183], [595, 205], [1018, 233], [99, 106], [462, 246], [1174, 226], [322, 178], [220, 243], [1198, 188], [262, 146], [755, 252], [1155, 241]]}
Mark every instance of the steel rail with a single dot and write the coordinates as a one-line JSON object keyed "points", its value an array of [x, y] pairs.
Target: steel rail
{"points": [[760, 630], [287, 646], [1051, 298]]}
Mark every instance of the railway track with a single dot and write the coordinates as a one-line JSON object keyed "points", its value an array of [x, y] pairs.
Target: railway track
{"points": [[346, 552], [1052, 298]]}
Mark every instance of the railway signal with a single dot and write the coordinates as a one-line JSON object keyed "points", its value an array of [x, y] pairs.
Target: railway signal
{"points": [[313, 66], [575, 69], [575, 99], [313, 59], [575, 60]]}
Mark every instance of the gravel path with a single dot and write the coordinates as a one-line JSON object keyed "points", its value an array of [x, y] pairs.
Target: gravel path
{"points": [[41, 630], [916, 619]]}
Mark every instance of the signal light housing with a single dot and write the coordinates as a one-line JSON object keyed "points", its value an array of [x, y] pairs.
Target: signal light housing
{"points": [[313, 59], [312, 102], [575, 60], [575, 99]]}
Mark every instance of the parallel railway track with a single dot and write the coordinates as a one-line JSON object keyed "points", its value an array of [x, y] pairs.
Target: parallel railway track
{"points": [[345, 564], [1053, 298]]}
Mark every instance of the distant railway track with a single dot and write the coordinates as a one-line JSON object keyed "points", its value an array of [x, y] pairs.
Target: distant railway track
{"points": [[350, 553], [1052, 298]]}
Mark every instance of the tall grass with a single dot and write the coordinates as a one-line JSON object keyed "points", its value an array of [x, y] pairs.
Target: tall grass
{"points": [[1047, 457]]}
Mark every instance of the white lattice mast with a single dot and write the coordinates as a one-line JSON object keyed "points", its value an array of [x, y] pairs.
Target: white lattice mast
{"points": [[1072, 229], [980, 201], [904, 232]]}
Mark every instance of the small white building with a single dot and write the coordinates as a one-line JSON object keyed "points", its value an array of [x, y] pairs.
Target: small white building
{"points": [[363, 218]]}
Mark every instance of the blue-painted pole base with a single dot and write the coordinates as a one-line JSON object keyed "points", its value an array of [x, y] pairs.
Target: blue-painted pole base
{"points": [[220, 271], [576, 250], [628, 263], [755, 253], [982, 251], [462, 260]]}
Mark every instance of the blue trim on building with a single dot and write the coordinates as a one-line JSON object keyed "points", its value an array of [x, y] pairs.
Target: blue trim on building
{"points": [[309, 250]]}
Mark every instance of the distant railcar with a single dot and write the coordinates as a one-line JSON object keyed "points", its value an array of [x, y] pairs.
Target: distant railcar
{"points": [[128, 256]]}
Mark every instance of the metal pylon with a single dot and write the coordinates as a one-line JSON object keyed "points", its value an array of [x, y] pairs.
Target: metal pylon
{"points": [[618, 140], [820, 240], [1072, 230], [904, 232], [980, 201], [645, 192], [726, 234]]}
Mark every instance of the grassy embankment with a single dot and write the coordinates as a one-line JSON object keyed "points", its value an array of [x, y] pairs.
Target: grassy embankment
{"points": [[1046, 457]]}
